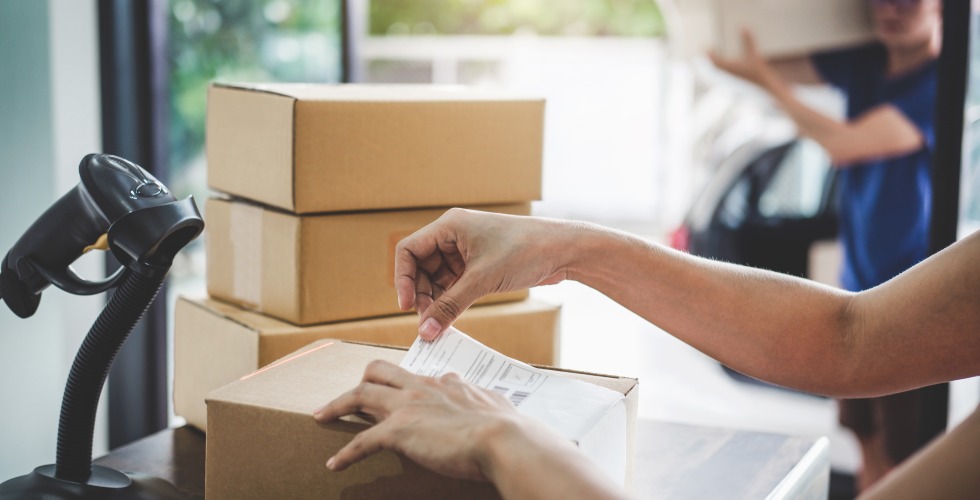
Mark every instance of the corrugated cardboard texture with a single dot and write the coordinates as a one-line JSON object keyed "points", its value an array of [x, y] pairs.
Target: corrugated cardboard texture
{"points": [[314, 268], [216, 343], [345, 148], [263, 442]]}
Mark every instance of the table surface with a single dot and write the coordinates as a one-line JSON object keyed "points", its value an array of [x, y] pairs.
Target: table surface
{"points": [[673, 461]]}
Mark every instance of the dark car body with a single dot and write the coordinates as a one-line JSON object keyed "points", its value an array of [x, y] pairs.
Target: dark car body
{"points": [[765, 208]]}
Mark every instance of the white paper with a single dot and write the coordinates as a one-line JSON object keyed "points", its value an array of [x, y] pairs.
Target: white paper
{"points": [[571, 407]]}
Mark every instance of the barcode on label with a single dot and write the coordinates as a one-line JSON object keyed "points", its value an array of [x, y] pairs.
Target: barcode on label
{"points": [[518, 397], [500, 390]]}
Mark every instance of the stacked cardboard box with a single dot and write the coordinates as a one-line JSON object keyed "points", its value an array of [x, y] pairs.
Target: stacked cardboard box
{"points": [[338, 174], [320, 183], [314, 269]]}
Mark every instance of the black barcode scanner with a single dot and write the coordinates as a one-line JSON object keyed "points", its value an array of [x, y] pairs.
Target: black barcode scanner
{"points": [[119, 207], [116, 206]]}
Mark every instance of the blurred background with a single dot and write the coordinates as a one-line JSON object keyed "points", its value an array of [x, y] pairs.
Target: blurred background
{"points": [[639, 135]]}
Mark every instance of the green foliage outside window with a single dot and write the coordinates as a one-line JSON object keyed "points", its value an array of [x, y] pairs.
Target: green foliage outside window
{"points": [[505, 17], [243, 40]]}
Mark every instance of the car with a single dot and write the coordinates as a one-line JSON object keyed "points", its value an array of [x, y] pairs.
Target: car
{"points": [[765, 206]]}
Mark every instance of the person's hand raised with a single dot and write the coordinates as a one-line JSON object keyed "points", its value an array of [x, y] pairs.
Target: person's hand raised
{"points": [[443, 268], [751, 66]]}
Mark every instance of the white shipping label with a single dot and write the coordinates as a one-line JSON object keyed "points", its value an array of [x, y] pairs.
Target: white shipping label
{"points": [[570, 406]]}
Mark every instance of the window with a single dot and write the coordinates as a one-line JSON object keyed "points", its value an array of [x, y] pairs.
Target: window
{"points": [[600, 64], [277, 40], [799, 185], [244, 41]]}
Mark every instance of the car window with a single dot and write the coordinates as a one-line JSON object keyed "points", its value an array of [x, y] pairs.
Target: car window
{"points": [[798, 186], [970, 180], [735, 205]]}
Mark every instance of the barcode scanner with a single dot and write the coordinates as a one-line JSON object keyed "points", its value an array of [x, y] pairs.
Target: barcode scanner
{"points": [[119, 207]]}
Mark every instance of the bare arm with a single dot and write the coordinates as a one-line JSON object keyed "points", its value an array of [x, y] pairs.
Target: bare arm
{"points": [[798, 70], [945, 469], [881, 132], [547, 467], [920, 328]]}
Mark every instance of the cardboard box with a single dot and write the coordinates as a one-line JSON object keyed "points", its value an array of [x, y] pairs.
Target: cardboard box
{"points": [[311, 148], [782, 28], [216, 343], [263, 442], [314, 268]]}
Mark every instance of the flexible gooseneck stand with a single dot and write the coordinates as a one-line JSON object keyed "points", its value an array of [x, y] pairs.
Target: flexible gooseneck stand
{"points": [[118, 206]]}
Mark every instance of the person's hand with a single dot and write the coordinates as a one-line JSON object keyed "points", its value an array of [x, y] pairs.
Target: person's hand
{"points": [[443, 424], [751, 66], [444, 267]]}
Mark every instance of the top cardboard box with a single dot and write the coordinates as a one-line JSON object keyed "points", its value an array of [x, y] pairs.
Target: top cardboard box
{"points": [[310, 148], [782, 28]]}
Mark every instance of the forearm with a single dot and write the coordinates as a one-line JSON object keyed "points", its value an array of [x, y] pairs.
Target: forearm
{"points": [[945, 469], [531, 462], [834, 135], [880, 132], [785, 330]]}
